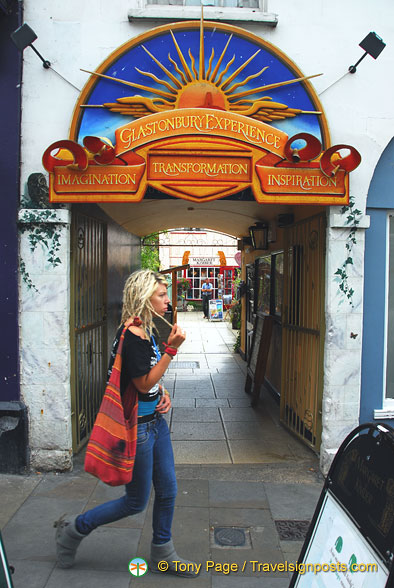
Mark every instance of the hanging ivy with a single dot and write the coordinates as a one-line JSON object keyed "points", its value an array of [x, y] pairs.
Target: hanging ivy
{"points": [[26, 276], [40, 231], [353, 218]]}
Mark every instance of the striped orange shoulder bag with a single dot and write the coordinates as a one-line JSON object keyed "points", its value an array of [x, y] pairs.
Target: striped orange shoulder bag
{"points": [[112, 445]]}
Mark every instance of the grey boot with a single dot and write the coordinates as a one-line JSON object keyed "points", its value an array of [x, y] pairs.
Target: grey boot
{"points": [[164, 559], [67, 541]]}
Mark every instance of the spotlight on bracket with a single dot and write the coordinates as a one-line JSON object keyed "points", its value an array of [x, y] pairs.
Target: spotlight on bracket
{"points": [[373, 45], [24, 37]]}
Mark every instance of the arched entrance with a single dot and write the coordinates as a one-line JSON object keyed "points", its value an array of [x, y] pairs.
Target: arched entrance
{"points": [[299, 325], [199, 137]]}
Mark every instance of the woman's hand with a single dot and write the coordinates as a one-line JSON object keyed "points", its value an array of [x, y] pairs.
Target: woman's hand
{"points": [[164, 403], [176, 337]]}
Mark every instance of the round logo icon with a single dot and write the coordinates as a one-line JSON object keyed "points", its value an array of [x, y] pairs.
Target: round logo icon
{"points": [[138, 566]]}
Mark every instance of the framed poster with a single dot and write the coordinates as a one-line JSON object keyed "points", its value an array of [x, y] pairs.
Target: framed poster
{"points": [[338, 554]]}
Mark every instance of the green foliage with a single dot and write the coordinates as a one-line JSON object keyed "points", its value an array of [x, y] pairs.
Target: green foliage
{"points": [[26, 276], [150, 252], [235, 314], [43, 233], [353, 217], [195, 304], [183, 285], [237, 281]]}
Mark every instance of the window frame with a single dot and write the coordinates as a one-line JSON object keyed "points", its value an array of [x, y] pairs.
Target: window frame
{"points": [[273, 285], [260, 14], [387, 410], [261, 4]]}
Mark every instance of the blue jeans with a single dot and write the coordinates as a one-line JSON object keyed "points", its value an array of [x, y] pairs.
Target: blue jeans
{"points": [[154, 462]]}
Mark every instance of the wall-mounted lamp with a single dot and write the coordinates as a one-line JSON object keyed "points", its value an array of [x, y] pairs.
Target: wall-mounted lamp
{"points": [[24, 37], [259, 235], [373, 45]]}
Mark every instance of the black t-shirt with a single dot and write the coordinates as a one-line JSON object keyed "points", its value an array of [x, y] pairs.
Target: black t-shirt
{"points": [[138, 358]]}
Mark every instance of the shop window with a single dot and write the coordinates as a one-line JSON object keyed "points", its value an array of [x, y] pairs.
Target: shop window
{"points": [[269, 285], [197, 275], [277, 270], [250, 283], [390, 315], [263, 290]]}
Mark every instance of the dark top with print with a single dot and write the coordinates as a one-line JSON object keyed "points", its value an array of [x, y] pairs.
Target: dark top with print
{"points": [[138, 358]]}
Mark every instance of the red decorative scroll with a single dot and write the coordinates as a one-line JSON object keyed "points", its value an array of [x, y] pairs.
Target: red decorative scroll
{"points": [[331, 161], [80, 157]]}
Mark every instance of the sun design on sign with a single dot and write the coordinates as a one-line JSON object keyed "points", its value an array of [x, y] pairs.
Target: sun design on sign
{"points": [[196, 87]]}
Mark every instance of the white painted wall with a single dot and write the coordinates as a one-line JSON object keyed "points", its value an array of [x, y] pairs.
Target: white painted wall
{"points": [[200, 244], [45, 342], [320, 37]]}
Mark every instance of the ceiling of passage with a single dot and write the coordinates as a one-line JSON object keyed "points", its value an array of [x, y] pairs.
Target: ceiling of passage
{"points": [[226, 216]]}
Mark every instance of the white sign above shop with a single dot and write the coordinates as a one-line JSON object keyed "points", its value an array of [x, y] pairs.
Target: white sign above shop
{"points": [[202, 261]]}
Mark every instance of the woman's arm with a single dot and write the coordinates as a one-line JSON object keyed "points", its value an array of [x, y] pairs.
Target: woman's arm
{"points": [[146, 382]]}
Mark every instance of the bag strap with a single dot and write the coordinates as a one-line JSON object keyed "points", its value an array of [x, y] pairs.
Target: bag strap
{"points": [[117, 363]]}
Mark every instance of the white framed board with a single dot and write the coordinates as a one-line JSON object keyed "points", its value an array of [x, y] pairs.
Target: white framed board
{"points": [[5, 576], [341, 551]]}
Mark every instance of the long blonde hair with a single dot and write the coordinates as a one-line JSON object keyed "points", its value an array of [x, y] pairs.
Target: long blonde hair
{"points": [[137, 291]]}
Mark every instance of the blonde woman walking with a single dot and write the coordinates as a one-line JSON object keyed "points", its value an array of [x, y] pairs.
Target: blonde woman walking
{"points": [[144, 296]]}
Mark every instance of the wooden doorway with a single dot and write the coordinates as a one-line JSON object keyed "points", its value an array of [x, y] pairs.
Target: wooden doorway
{"points": [[303, 329]]}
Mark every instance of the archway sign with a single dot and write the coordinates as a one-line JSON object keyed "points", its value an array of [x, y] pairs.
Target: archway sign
{"points": [[350, 542], [199, 111]]}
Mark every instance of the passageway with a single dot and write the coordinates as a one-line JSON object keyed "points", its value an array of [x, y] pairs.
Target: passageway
{"points": [[212, 421]]}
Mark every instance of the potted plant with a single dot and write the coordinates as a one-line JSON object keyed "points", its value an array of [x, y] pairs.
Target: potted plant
{"points": [[235, 314]]}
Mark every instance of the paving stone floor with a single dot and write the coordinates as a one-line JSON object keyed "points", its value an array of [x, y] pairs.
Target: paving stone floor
{"points": [[237, 467]]}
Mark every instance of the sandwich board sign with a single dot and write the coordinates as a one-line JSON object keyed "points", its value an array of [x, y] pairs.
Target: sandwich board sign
{"points": [[350, 542], [5, 575], [215, 310]]}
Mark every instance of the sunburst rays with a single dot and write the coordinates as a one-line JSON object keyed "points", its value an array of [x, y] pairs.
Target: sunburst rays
{"points": [[189, 84]]}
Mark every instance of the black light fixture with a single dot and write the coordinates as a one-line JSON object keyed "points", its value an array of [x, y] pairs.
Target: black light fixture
{"points": [[373, 45], [24, 37], [259, 235]]}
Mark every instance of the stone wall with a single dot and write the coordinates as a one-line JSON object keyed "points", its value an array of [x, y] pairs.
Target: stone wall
{"points": [[45, 338]]}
